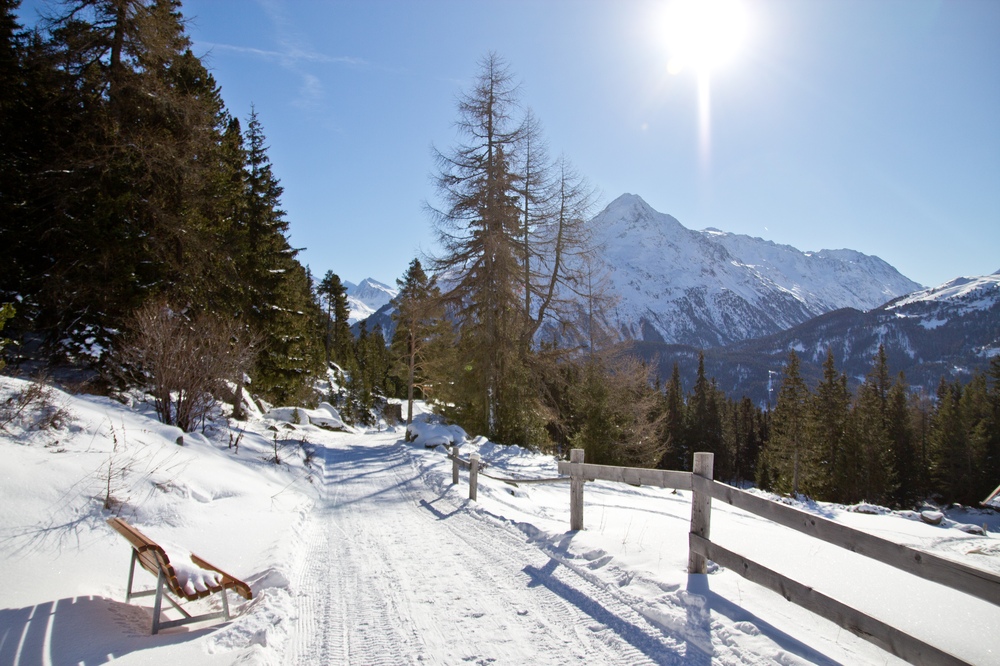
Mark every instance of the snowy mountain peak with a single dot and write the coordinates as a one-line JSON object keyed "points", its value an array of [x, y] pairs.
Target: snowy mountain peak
{"points": [[972, 293], [710, 288], [367, 297]]}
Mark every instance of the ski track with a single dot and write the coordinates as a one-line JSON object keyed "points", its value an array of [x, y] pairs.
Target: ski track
{"points": [[381, 547]]}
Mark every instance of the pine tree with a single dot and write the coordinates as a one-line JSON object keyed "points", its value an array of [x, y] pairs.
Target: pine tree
{"points": [[747, 439], [282, 308], [420, 328], [678, 456], [905, 456], [870, 434], [829, 411], [338, 338], [116, 170], [976, 415], [618, 422], [703, 427], [951, 469], [991, 459], [789, 456]]}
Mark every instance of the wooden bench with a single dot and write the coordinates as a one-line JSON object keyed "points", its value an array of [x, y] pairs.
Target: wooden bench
{"points": [[151, 557]]}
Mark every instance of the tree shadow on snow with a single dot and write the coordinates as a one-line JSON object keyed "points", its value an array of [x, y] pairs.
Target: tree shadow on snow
{"points": [[80, 630]]}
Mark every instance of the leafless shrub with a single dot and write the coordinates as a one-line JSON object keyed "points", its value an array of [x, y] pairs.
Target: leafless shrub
{"points": [[185, 362], [128, 466], [34, 406], [113, 474]]}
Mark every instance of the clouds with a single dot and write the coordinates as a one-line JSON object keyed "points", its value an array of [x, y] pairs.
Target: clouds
{"points": [[288, 57], [280, 41]]}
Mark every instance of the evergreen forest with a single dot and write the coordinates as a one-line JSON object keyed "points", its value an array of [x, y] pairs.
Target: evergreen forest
{"points": [[143, 233]]}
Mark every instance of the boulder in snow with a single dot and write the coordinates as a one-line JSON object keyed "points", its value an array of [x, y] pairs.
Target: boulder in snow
{"points": [[435, 434], [932, 517], [324, 416]]}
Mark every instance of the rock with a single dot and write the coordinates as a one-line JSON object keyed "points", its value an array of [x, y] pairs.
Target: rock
{"points": [[932, 517]]}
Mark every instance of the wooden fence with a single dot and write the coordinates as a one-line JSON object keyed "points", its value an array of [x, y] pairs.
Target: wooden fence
{"points": [[475, 466], [969, 580]]}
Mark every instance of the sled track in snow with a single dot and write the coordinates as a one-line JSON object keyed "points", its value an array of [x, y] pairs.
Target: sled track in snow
{"points": [[396, 575]]}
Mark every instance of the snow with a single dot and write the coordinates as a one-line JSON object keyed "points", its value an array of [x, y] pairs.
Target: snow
{"points": [[365, 298], [973, 293], [931, 324], [432, 434], [359, 550], [745, 287], [324, 416]]}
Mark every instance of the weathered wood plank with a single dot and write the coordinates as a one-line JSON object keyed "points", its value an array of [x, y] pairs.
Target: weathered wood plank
{"points": [[636, 476], [871, 629], [701, 509], [521, 482], [576, 491], [473, 476], [957, 575]]}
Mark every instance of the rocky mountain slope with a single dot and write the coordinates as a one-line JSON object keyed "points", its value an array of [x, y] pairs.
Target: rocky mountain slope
{"points": [[367, 297], [711, 288], [948, 331]]}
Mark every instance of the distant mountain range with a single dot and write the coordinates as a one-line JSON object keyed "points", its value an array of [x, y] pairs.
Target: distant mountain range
{"points": [[948, 331], [746, 302], [711, 288]]}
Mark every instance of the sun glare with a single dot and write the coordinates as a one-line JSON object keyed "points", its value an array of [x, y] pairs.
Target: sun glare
{"points": [[703, 34]]}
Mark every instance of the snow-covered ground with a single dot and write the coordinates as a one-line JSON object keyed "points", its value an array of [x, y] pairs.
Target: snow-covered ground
{"points": [[359, 550]]}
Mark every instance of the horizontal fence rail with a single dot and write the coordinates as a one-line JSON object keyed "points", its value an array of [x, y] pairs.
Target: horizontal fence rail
{"points": [[873, 630], [956, 575], [475, 466], [634, 476]]}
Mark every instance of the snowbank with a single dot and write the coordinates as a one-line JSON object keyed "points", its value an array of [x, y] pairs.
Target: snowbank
{"points": [[65, 570], [429, 434], [324, 416]]}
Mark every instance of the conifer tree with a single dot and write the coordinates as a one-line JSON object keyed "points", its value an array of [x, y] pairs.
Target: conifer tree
{"points": [[991, 462], [479, 229], [829, 411], [788, 453], [703, 427], [420, 331], [906, 472], [975, 414], [338, 338], [618, 422], [870, 435], [282, 309], [118, 178], [952, 472], [678, 456], [747, 438]]}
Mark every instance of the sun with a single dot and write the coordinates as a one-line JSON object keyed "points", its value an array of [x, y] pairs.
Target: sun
{"points": [[703, 35]]}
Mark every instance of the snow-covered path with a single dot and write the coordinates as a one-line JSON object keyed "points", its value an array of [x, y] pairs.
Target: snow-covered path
{"points": [[395, 575], [370, 555]]}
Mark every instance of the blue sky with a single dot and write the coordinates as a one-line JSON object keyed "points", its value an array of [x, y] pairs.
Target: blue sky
{"points": [[870, 125]]}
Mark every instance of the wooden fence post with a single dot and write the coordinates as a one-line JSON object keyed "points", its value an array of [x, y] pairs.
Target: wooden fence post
{"points": [[473, 475], [576, 490], [454, 464], [701, 509]]}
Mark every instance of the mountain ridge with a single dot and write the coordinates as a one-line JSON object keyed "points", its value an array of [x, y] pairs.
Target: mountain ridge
{"points": [[948, 331], [712, 288], [367, 297]]}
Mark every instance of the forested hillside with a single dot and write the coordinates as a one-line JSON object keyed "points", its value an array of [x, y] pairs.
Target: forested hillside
{"points": [[126, 180]]}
